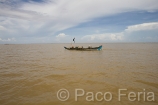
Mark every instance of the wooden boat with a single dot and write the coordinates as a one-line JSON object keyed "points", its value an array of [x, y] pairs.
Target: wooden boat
{"points": [[84, 49]]}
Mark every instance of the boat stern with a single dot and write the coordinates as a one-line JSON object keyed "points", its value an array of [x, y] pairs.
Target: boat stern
{"points": [[99, 48]]}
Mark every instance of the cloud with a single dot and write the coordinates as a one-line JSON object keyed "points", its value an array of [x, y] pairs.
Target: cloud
{"points": [[57, 15], [141, 27], [62, 38], [139, 31], [7, 40], [2, 28], [61, 35], [90, 8], [46, 18], [64, 14], [12, 27], [103, 37]]}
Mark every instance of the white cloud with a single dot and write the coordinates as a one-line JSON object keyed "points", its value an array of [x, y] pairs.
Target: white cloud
{"points": [[103, 37], [68, 13], [61, 35], [46, 18], [7, 40], [126, 33], [57, 15], [141, 27], [2, 28], [85, 9]]}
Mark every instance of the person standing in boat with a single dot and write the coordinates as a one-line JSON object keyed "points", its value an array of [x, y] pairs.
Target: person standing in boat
{"points": [[74, 40]]}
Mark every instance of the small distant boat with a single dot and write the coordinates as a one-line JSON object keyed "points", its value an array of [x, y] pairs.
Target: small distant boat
{"points": [[84, 49]]}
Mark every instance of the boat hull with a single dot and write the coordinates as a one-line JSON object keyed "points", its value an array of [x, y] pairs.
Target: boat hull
{"points": [[84, 49]]}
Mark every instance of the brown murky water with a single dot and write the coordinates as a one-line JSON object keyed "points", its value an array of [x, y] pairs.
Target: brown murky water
{"points": [[32, 74]]}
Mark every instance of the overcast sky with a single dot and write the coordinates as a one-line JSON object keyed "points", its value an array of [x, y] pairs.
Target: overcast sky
{"points": [[59, 21]]}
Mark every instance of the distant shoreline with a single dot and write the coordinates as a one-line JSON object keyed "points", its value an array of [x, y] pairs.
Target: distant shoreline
{"points": [[82, 43]]}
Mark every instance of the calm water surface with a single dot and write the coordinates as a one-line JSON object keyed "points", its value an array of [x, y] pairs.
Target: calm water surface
{"points": [[32, 74]]}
